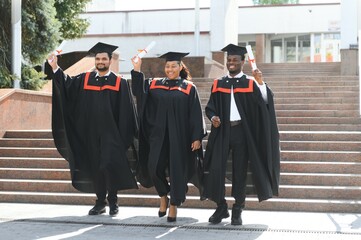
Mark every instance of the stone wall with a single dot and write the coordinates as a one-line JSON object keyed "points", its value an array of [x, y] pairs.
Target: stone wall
{"points": [[349, 62], [24, 110]]}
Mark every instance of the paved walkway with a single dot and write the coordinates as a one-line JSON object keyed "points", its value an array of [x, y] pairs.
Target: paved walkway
{"points": [[48, 222]]}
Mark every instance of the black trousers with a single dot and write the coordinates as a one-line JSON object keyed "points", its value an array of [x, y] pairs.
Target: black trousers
{"points": [[240, 157], [102, 188]]}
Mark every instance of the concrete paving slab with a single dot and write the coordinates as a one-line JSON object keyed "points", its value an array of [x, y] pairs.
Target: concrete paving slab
{"points": [[45, 222]]}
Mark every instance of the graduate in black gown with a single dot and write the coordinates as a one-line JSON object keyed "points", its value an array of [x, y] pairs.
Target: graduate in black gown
{"points": [[243, 118], [171, 131], [93, 124]]}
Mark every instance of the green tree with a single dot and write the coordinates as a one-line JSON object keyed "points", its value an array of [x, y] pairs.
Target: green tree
{"points": [[5, 41], [67, 12], [45, 23], [271, 2], [40, 30]]}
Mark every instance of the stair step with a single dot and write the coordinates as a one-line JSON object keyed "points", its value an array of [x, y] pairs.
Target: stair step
{"points": [[308, 89], [300, 166], [318, 113], [319, 192], [318, 120], [320, 179], [27, 142], [350, 106], [35, 185], [321, 100], [28, 134], [29, 152], [336, 156], [286, 191], [313, 127], [320, 167], [35, 173], [320, 136], [287, 145], [321, 146], [319, 127], [275, 204], [27, 162]]}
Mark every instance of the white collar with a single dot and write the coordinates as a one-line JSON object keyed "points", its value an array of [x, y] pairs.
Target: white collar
{"points": [[105, 75], [239, 75]]}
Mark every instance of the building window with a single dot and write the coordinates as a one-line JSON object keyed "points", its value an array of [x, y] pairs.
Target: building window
{"points": [[304, 48], [317, 48], [276, 51], [290, 54]]}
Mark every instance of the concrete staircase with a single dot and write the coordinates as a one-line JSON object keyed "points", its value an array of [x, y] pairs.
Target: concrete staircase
{"points": [[320, 141]]}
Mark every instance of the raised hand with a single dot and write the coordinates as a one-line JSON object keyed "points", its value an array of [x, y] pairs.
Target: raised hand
{"points": [[257, 74], [137, 64], [53, 61]]}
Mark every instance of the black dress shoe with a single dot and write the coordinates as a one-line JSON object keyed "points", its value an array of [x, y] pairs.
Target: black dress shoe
{"points": [[162, 214], [97, 209], [172, 219], [113, 209], [220, 213], [236, 215]]}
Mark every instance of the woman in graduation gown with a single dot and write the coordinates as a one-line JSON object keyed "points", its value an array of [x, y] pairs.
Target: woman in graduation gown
{"points": [[171, 131]]}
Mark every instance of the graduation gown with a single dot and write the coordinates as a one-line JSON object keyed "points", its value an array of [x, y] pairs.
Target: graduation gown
{"points": [[173, 107], [275, 141], [93, 125], [260, 127]]}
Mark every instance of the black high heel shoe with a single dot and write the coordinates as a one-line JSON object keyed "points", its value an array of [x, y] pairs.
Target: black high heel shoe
{"points": [[162, 214], [172, 219]]}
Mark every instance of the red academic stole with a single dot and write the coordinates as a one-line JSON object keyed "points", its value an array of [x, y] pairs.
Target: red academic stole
{"points": [[115, 87], [236, 89], [184, 87]]}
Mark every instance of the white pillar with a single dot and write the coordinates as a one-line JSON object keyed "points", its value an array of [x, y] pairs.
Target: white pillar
{"points": [[359, 69], [312, 47], [224, 23], [196, 27], [359, 55], [16, 41], [348, 23]]}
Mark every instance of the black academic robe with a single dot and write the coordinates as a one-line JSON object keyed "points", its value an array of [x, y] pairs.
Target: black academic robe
{"points": [[260, 126], [93, 125], [173, 107], [275, 141]]}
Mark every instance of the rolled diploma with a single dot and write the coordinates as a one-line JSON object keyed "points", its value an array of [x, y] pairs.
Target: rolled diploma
{"points": [[144, 51], [251, 59], [58, 50]]}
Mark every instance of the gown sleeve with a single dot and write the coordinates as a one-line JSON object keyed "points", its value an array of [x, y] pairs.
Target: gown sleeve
{"points": [[210, 109], [68, 86], [196, 116]]}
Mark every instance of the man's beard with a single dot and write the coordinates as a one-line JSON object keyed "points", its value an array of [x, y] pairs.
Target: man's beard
{"points": [[102, 69], [235, 71]]}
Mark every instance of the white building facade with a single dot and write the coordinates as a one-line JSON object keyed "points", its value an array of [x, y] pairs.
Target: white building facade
{"points": [[282, 33]]}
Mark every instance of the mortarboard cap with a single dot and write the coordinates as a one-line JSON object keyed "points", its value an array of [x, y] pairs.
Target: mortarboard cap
{"points": [[173, 56], [232, 49], [101, 48]]}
